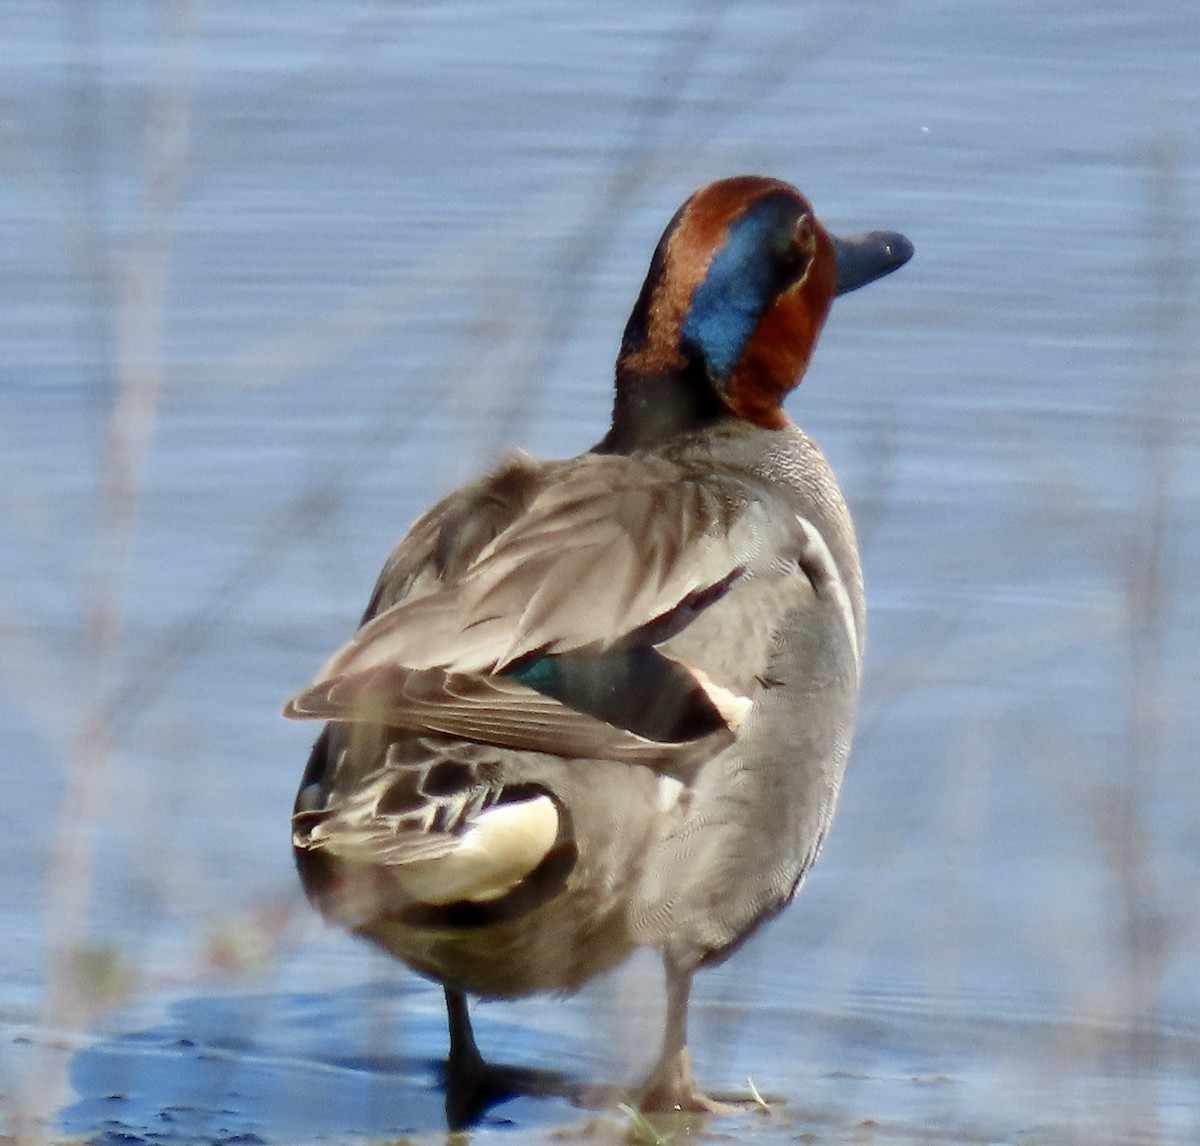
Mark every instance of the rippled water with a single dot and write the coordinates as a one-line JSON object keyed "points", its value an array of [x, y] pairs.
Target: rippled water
{"points": [[346, 254]]}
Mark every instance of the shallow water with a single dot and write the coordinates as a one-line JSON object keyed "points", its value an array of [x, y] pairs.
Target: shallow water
{"points": [[358, 251]]}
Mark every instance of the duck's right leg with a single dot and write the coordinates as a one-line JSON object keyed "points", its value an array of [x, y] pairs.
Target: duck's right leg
{"points": [[671, 1085]]}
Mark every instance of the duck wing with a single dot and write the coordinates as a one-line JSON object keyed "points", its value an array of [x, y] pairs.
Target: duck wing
{"points": [[505, 712], [606, 547], [539, 629]]}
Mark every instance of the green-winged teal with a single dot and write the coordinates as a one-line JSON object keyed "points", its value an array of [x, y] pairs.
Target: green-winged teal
{"points": [[606, 702]]}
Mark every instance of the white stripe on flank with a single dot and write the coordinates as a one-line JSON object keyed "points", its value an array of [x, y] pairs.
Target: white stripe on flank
{"points": [[819, 551], [669, 791]]}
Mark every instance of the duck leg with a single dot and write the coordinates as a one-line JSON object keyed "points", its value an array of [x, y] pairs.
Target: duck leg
{"points": [[671, 1085], [471, 1085], [464, 1057]]}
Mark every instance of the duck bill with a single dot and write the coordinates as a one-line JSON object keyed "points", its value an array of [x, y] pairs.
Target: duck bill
{"points": [[862, 259]]}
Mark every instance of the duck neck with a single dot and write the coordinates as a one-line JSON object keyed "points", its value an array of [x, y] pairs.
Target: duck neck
{"points": [[651, 407]]}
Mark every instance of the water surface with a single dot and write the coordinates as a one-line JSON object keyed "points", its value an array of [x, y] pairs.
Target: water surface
{"points": [[347, 254]]}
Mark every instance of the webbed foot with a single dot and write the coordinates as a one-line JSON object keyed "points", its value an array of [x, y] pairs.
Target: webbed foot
{"points": [[671, 1087]]}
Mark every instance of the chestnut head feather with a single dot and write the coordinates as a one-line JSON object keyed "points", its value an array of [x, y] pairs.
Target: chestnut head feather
{"points": [[731, 309]]}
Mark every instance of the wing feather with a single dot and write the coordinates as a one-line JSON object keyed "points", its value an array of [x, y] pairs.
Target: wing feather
{"points": [[493, 710], [570, 573], [579, 557]]}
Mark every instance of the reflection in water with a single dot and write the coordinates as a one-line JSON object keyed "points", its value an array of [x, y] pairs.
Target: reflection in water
{"points": [[354, 256]]}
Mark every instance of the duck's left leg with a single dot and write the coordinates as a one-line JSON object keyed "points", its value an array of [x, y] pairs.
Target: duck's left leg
{"points": [[471, 1085], [464, 1057], [671, 1085]]}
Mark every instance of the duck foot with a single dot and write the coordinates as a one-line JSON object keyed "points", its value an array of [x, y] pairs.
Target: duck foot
{"points": [[473, 1086], [471, 1091], [671, 1087]]}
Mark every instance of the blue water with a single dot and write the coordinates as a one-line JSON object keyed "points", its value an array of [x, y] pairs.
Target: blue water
{"points": [[386, 241]]}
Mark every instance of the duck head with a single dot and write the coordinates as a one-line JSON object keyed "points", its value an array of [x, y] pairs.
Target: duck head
{"points": [[731, 309]]}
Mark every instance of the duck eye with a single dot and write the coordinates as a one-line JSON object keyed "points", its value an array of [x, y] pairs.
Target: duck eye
{"points": [[803, 236], [793, 259]]}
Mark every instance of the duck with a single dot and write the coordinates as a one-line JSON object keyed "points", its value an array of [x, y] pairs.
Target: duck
{"points": [[604, 703]]}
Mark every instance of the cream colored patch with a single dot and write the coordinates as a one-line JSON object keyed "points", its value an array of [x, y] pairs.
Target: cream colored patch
{"points": [[733, 707], [500, 848]]}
